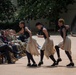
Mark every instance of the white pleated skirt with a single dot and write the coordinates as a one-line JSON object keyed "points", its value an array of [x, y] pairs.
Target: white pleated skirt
{"points": [[67, 45], [48, 48], [32, 47]]}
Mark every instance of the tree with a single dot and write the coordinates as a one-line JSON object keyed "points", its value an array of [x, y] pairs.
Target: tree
{"points": [[50, 9], [7, 10]]}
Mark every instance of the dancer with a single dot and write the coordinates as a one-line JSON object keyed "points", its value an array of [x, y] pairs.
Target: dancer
{"points": [[31, 48], [65, 44], [48, 46]]}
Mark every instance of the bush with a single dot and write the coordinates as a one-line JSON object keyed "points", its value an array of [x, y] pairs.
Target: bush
{"points": [[13, 25]]}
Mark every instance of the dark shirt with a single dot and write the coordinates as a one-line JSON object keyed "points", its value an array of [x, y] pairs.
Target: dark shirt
{"points": [[61, 30], [42, 33], [4, 39], [26, 34]]}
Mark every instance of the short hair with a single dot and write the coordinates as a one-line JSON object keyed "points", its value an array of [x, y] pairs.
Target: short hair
{"points": [[61, 20], [2, 32], [38, 23], [22, 22]]}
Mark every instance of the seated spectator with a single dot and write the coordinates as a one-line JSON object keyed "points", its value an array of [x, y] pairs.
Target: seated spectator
{"points": [[6, 41], [5, 50], [16, 45], [3, 37]]}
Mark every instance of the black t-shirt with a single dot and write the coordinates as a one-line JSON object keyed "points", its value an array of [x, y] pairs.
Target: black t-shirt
{"points": [[26, 34], [42, 33], [61, 30]]}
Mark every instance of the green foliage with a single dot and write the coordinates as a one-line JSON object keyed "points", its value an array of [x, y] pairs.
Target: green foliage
{"points": [[7, 10], [7, 25], [33, 9], [50, 9]]}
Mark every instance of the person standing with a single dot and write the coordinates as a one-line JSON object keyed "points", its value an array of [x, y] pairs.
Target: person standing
{"points": [[31, 48], [48, 46], [65, 44]]}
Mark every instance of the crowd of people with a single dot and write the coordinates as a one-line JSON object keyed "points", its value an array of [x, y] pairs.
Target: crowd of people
{"points": [[11, 49], [14, 45]]}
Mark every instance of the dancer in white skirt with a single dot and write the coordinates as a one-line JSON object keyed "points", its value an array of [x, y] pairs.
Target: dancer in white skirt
{"points": [[65, 44], [48, 46], [31, 48]]}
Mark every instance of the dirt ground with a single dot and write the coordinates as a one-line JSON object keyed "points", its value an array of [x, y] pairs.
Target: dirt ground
{"points": [[20, 67]]}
